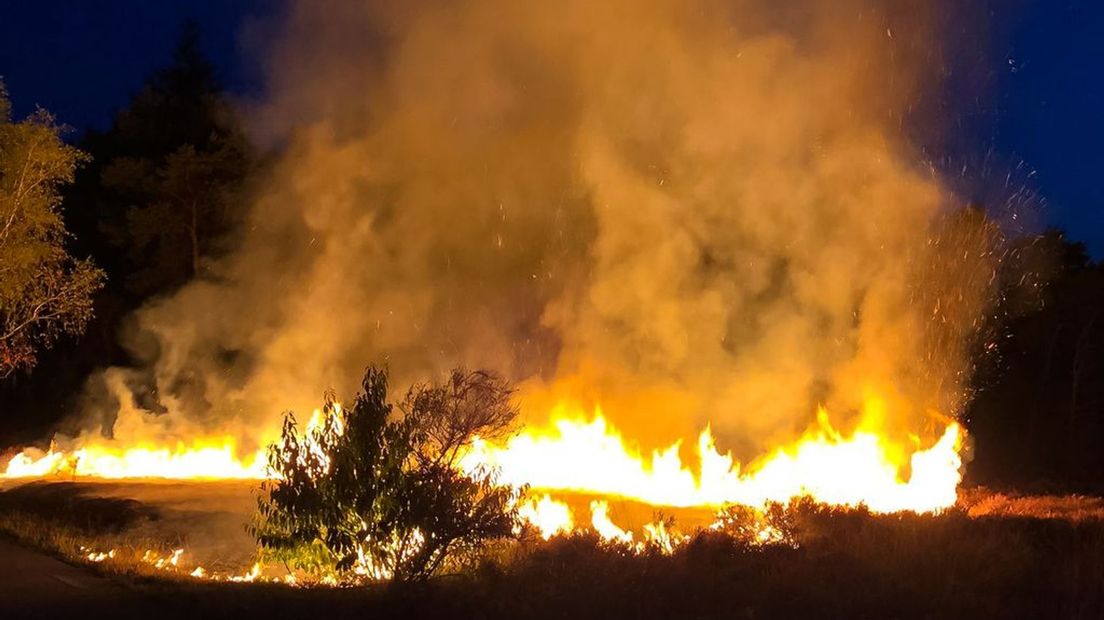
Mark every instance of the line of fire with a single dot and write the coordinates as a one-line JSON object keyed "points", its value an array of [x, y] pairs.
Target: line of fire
{"points": [[488, 308]]}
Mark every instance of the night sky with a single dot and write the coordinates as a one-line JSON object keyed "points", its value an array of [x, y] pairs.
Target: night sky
{"points": [[82, 60]]}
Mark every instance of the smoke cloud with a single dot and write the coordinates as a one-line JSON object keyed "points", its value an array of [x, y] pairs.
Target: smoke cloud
{"points": [[688, 212]]}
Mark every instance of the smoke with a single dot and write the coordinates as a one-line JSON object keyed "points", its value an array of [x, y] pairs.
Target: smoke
{"points": [[687, 212]]}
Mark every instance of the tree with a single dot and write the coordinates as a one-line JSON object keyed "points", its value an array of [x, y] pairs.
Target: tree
{"points": [[44, 292], [175, 164], [364, 494], [185, 208], [174, 153], [1038, 417]]}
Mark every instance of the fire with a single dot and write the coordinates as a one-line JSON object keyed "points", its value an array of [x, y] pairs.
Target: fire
{"points": [[587, 455], [606, 529], [216, 458], [199, 460], [590, 456], [548, 516], [174, 563]]}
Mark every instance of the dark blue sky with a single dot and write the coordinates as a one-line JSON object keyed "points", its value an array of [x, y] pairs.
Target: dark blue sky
{"points": [[1050, 111], [81, 59]]}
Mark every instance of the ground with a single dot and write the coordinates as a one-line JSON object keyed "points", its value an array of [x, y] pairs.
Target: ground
{"points": [[35, 581], [995, 556]]}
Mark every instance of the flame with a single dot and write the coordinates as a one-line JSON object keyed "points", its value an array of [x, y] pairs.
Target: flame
{"points": [[585, 455], [174, 563], [864, 468], [548, 516], [660, 536], [214, 458], [210, 459], [606, 529], [588, 455]]}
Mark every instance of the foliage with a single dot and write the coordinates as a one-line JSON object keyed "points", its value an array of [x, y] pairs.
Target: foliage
{"points": [[175, 152], [848, 564], [1038, 417], [44, 291], [184, 206], [368, 494], [174, 168], [773, 524]]}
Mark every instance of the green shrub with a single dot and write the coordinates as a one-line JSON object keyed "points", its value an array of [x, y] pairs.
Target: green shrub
{"points": [[366, 494]]}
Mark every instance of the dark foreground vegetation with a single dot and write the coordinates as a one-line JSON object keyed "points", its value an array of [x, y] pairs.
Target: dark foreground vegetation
{"points": [[366, 492], [846, 564]]}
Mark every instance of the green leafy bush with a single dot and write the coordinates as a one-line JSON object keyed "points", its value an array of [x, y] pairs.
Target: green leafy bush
{"points": [[367, 493]]}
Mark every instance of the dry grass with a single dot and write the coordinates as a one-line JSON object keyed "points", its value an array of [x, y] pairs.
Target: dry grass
{"points": [[72, 526], [129, 553], [992, 557], [847, 564], [983, 503]]}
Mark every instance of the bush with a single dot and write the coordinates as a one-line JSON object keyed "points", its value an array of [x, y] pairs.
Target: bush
{"points": [[365, 494]]}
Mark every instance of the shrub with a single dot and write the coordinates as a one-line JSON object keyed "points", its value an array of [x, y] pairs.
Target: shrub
{"points": [[367, 494]]}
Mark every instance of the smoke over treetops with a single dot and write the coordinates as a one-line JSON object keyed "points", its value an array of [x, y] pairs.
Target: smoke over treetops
{"points": [[687, 212]]}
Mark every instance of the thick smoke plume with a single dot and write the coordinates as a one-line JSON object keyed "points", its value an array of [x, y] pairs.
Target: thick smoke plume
{"points": [[687, 212]]}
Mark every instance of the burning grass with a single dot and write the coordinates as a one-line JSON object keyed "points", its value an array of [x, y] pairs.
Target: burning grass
{"points": [[845, 562], [134, 528], [984, 503], [130, 555], [841, 563], [848, 525]]}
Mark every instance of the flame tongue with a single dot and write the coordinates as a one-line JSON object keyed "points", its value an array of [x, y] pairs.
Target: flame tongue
{"points": [[589, 456], [199, 460]]}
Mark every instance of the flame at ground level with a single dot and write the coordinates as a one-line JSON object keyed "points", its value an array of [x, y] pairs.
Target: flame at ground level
{"points": [[864, 468], [586, 454], [213, 459]]}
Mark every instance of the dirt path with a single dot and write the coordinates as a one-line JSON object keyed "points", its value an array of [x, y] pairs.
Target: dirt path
{"points": [[36, 585]]}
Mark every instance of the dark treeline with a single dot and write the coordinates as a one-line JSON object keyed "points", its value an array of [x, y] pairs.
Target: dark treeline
{"points": [[163, 188], [168, 180], [1038, 415]]}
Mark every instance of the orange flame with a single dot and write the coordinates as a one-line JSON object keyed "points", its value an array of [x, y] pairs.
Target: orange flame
{"points": [[576, 454], [864, 468], [210, 459]]}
